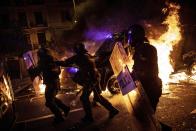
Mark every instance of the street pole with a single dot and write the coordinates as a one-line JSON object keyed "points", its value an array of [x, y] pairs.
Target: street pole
{"points": [[74, 5]]}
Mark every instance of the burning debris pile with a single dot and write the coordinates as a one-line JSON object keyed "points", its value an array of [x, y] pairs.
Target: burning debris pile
{"points": [[188, 73], [166, 44]]}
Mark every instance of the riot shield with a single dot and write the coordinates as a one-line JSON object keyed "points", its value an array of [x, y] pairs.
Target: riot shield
{"points": [[132, 91]]}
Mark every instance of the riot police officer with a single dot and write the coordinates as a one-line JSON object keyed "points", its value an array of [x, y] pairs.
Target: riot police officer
{"points": [[50, 73], [145, 65], [87, 76]]}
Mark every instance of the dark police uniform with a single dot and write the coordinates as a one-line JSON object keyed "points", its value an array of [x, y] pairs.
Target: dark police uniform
{"points": [[50, 73], [146, 69], [87, 76]]}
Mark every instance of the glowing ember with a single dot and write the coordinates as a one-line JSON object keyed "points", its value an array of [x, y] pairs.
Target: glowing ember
{"points": [[166, 42], [193, 71], [61, 74], [184, 77], [41, 87], [178, 77]]}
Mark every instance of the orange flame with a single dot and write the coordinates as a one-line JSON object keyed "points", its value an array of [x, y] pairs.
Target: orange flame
{"points": [[43, 86], [166, 41]]}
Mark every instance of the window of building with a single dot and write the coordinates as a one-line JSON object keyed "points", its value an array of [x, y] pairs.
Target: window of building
{"points": [[27, 39], [22, 19], [35, 46], [41, 38], [66, 15], [4, 20], [38, 18]]}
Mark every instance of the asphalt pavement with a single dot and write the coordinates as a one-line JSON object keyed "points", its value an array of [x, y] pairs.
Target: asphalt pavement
{"points": [[33, 115], [176, 109]]}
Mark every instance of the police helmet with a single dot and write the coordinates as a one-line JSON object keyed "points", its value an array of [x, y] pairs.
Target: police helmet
{"points": [[136, 33]]}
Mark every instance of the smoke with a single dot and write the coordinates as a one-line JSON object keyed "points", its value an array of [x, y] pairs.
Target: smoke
{"points": [[110, 16], [98, 19]]}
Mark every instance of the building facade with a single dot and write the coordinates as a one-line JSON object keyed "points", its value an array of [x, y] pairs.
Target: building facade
{"points": [[42, 21]]}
